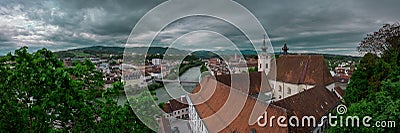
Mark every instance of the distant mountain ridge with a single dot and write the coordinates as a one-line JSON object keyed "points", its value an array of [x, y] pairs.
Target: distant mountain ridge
{"points": [[104, 51], [118, 51]]}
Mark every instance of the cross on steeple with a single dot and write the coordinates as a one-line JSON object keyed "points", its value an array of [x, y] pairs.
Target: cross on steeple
{"points": [[285, 48]]}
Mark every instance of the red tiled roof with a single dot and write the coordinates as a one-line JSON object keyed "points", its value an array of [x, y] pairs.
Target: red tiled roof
{"points": [[167, 108], [177, 105], [252, 61], [165, 126], [173, 105], [315, 102], [254, 85], [302, 69], [343, 78], [211, 99]]}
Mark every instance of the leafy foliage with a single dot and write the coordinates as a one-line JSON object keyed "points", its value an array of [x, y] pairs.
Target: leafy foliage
{"points": [[374, 89], [203, 68], [382, 40], [40, 95], [254, 69]]}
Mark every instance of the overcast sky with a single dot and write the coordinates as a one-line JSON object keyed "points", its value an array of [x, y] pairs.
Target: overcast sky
{"points": [[317, 26]]}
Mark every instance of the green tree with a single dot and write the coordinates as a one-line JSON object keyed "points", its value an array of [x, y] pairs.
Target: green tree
{"points": [[42, 91], [382, 40], [40, 95], [374, 89]]}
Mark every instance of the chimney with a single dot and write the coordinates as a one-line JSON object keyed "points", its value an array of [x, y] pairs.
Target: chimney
{"points": [[182, 98]]}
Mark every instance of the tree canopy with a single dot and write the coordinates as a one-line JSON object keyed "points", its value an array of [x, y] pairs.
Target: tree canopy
{"points": [[382, 40], [374, 88], [39, 94]]}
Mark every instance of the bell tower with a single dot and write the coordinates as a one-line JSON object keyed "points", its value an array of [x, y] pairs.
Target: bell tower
{"points": [[263, 59]]}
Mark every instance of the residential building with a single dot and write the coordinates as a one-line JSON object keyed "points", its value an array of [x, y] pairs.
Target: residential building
{"points": [[177, 108]]}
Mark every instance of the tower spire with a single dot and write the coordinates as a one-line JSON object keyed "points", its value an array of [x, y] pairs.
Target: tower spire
{"points": [[263, 59], [264, 48], [285, 48]]}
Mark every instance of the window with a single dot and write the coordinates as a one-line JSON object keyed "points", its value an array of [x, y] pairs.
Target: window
{"points": [[289, 90], [280, 88]]}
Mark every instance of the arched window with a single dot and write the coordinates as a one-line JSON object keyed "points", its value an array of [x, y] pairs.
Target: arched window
{"points": [[289, 90]]}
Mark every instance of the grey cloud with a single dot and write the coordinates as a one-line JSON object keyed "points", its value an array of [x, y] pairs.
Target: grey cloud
{"points": [[308, 25]]}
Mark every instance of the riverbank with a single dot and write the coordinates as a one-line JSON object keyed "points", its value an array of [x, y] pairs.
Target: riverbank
{"points": [[171, 90]]}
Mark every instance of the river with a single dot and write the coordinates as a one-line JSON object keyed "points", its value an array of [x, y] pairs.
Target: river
{"points": [[175, 90]]}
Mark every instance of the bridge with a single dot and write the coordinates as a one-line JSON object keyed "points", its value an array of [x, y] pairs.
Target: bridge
{"points": [[175, 81]]}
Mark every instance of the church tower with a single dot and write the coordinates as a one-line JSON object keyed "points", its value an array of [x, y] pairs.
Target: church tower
{"points": [[285, 49], [263, 59]]}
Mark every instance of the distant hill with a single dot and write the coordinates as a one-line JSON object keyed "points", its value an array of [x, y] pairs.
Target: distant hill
{"points": [[102, 51], [330, 56], [231, 52]]}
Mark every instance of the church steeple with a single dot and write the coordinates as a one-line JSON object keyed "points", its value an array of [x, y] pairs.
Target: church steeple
{"points": [[263, 59], [264, 48], [285, 48]]}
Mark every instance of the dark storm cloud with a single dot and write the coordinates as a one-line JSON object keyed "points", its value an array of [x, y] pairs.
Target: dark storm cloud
{"points": [[307, 25], [322, 26], [69, 24]]}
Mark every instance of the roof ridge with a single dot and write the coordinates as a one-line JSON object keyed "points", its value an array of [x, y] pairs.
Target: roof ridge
{"points": [[232, 88], [303, 73], [213, 110]]}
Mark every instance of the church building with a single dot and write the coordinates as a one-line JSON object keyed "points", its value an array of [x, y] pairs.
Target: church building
{"points": [[303, 87], [297, 73]]}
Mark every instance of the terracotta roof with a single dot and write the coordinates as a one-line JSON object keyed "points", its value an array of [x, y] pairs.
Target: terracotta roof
{"points": [[210, 98], [241, 84], [317, 102], [342, 78], [167, 108], [173, 105], [165, 126], [252, 61], [302, 69], [177, 105]]}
